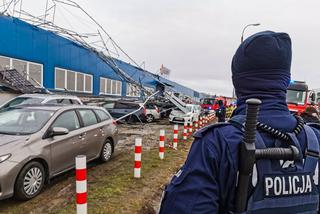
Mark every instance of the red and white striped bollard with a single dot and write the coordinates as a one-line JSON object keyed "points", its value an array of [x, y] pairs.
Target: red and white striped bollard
{"points": [[196, 125], [185, 131], [81, 184], [137, 157], [161, 144], [175, 135], [190, 128]]}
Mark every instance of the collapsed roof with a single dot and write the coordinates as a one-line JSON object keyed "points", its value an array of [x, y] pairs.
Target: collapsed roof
{"points": [[12, 80]]}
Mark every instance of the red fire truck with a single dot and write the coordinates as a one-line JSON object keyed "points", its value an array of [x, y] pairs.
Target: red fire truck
{"points": [[299, 97], [212, 102]]}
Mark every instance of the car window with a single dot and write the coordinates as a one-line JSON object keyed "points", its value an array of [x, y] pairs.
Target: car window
{"points": [[102, 115], [68, 120], [65, 101], [23, 121], [52, 102], [108, 105], [76, 102], [22, 100], [121, 105], [88, 117], [133, 106], [150, 106]]}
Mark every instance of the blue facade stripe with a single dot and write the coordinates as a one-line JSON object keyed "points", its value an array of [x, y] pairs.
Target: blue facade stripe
{"points": [[24, 41]]}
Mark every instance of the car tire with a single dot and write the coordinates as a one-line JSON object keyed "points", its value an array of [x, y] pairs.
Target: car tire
{"points": [[30, 181], [149, 118], [106, 151]]}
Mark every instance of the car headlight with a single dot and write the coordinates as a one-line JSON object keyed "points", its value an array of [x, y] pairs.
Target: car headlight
{"points": [[4, 157]]}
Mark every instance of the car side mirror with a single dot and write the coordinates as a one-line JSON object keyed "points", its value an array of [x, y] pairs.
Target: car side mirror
{"points": [[57, 131]]}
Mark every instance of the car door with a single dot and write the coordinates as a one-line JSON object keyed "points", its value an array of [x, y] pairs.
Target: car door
{"points": [[65, 148], [91, 129], [106, 127]]}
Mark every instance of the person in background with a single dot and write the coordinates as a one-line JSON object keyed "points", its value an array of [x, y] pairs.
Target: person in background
{"points": [[311, 115], [221, 112]]}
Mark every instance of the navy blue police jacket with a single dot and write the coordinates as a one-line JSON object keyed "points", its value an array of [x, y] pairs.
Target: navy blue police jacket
{"points": [[206, 183]]}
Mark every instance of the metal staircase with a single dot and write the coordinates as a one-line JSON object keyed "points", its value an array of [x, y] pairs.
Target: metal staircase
{"points": [[176, 101]]}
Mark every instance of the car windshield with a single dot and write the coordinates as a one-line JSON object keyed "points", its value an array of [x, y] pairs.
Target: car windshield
{"points": [[23, 121], [208, 101], [296, 97], [22, 100]]}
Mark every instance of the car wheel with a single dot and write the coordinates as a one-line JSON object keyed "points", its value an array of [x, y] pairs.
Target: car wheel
{"points": [[30, 181], [149, 118], [106, 151]]}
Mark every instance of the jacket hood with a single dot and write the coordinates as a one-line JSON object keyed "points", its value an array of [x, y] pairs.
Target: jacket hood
{"points": [[261, 67]]}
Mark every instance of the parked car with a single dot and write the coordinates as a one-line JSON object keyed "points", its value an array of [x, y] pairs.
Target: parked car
{"points": [[178, 116], [120, 108], [152, 112], [165, 108], [40, 142], [42, 99]]}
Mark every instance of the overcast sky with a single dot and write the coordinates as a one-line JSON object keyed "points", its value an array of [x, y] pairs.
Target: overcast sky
{"points": [[196, 39]]}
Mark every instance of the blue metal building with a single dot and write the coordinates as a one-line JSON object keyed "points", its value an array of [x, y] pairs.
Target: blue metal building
{"points": [[59, 64]]}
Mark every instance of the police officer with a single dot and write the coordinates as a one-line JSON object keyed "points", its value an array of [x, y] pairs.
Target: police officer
{"points": [[207, 181], [221, 112]]}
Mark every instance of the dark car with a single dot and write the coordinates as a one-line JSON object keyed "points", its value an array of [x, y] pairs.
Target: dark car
{"points": [[165, 108], [120, 108]]}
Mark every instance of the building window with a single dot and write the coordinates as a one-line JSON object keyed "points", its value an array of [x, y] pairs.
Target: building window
{"points": [[110, 87], [73, 81], [20, 66], [149, 90], [133, 90], [80, 81], [102, 85], [30, 70], [119, 87], [4, 63], [88, 83], [60, 79], [35, 73], [109, 91]]}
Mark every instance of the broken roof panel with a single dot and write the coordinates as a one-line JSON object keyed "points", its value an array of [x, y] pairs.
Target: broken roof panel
{"points": [[17, 82]]}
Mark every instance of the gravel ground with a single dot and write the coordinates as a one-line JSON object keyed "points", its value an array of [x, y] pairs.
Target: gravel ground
{"points": [[148, 132]]}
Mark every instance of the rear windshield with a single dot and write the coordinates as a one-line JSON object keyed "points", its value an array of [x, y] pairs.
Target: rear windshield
{"points": [[126, 105], [17, 121], [23, 100]]}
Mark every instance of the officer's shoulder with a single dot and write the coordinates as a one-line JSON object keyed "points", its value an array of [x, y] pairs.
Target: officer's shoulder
{"points": [[222, 126], [314, 125]]}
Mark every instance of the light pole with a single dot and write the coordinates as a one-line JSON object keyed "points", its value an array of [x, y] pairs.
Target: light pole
{"points": [[255, 24]]}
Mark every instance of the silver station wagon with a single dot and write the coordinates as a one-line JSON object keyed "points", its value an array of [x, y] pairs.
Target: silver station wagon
{"points": [[40, 142]]}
